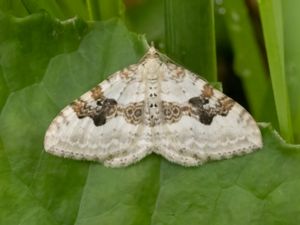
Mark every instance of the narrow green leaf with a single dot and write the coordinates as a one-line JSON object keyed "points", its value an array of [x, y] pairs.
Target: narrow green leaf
{"points": [[248, 62], [110, 9], [271, 16], [291, 21], [190, 37], [147, 17], [105, 9], [92, 8]]}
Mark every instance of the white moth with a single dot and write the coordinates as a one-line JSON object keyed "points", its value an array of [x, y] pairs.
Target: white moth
{"points": [[153, 106]]}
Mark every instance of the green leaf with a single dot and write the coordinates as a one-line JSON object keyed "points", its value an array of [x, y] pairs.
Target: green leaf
{"points": [[271, 16], [65, 9], [38, 188], [3, 89], [15, 7], [33, 6], [27, 45], [195, 50], [291, 20], [92, 62], [248, 61], [147, 17]]}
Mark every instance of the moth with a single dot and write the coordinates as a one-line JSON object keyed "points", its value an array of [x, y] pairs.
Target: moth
{"points": [[154, 106]]}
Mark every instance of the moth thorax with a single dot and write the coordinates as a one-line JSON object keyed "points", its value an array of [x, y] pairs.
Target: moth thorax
{"points": [[152, 69]]}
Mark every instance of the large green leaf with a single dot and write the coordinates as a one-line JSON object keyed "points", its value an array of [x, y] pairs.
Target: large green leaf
{"points": [[37, 188], [27, 44], [64, 9], [15, 7]]}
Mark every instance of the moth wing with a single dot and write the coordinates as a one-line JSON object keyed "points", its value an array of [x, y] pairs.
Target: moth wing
{"points": [[94, 128], [212, 126]]}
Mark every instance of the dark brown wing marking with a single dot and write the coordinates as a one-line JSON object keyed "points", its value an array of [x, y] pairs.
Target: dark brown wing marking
{"points": [[105, 108], [198, 107], [205, 112]]}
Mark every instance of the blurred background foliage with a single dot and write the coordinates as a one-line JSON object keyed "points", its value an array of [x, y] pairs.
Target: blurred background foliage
{"points": [[250, 46]]}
